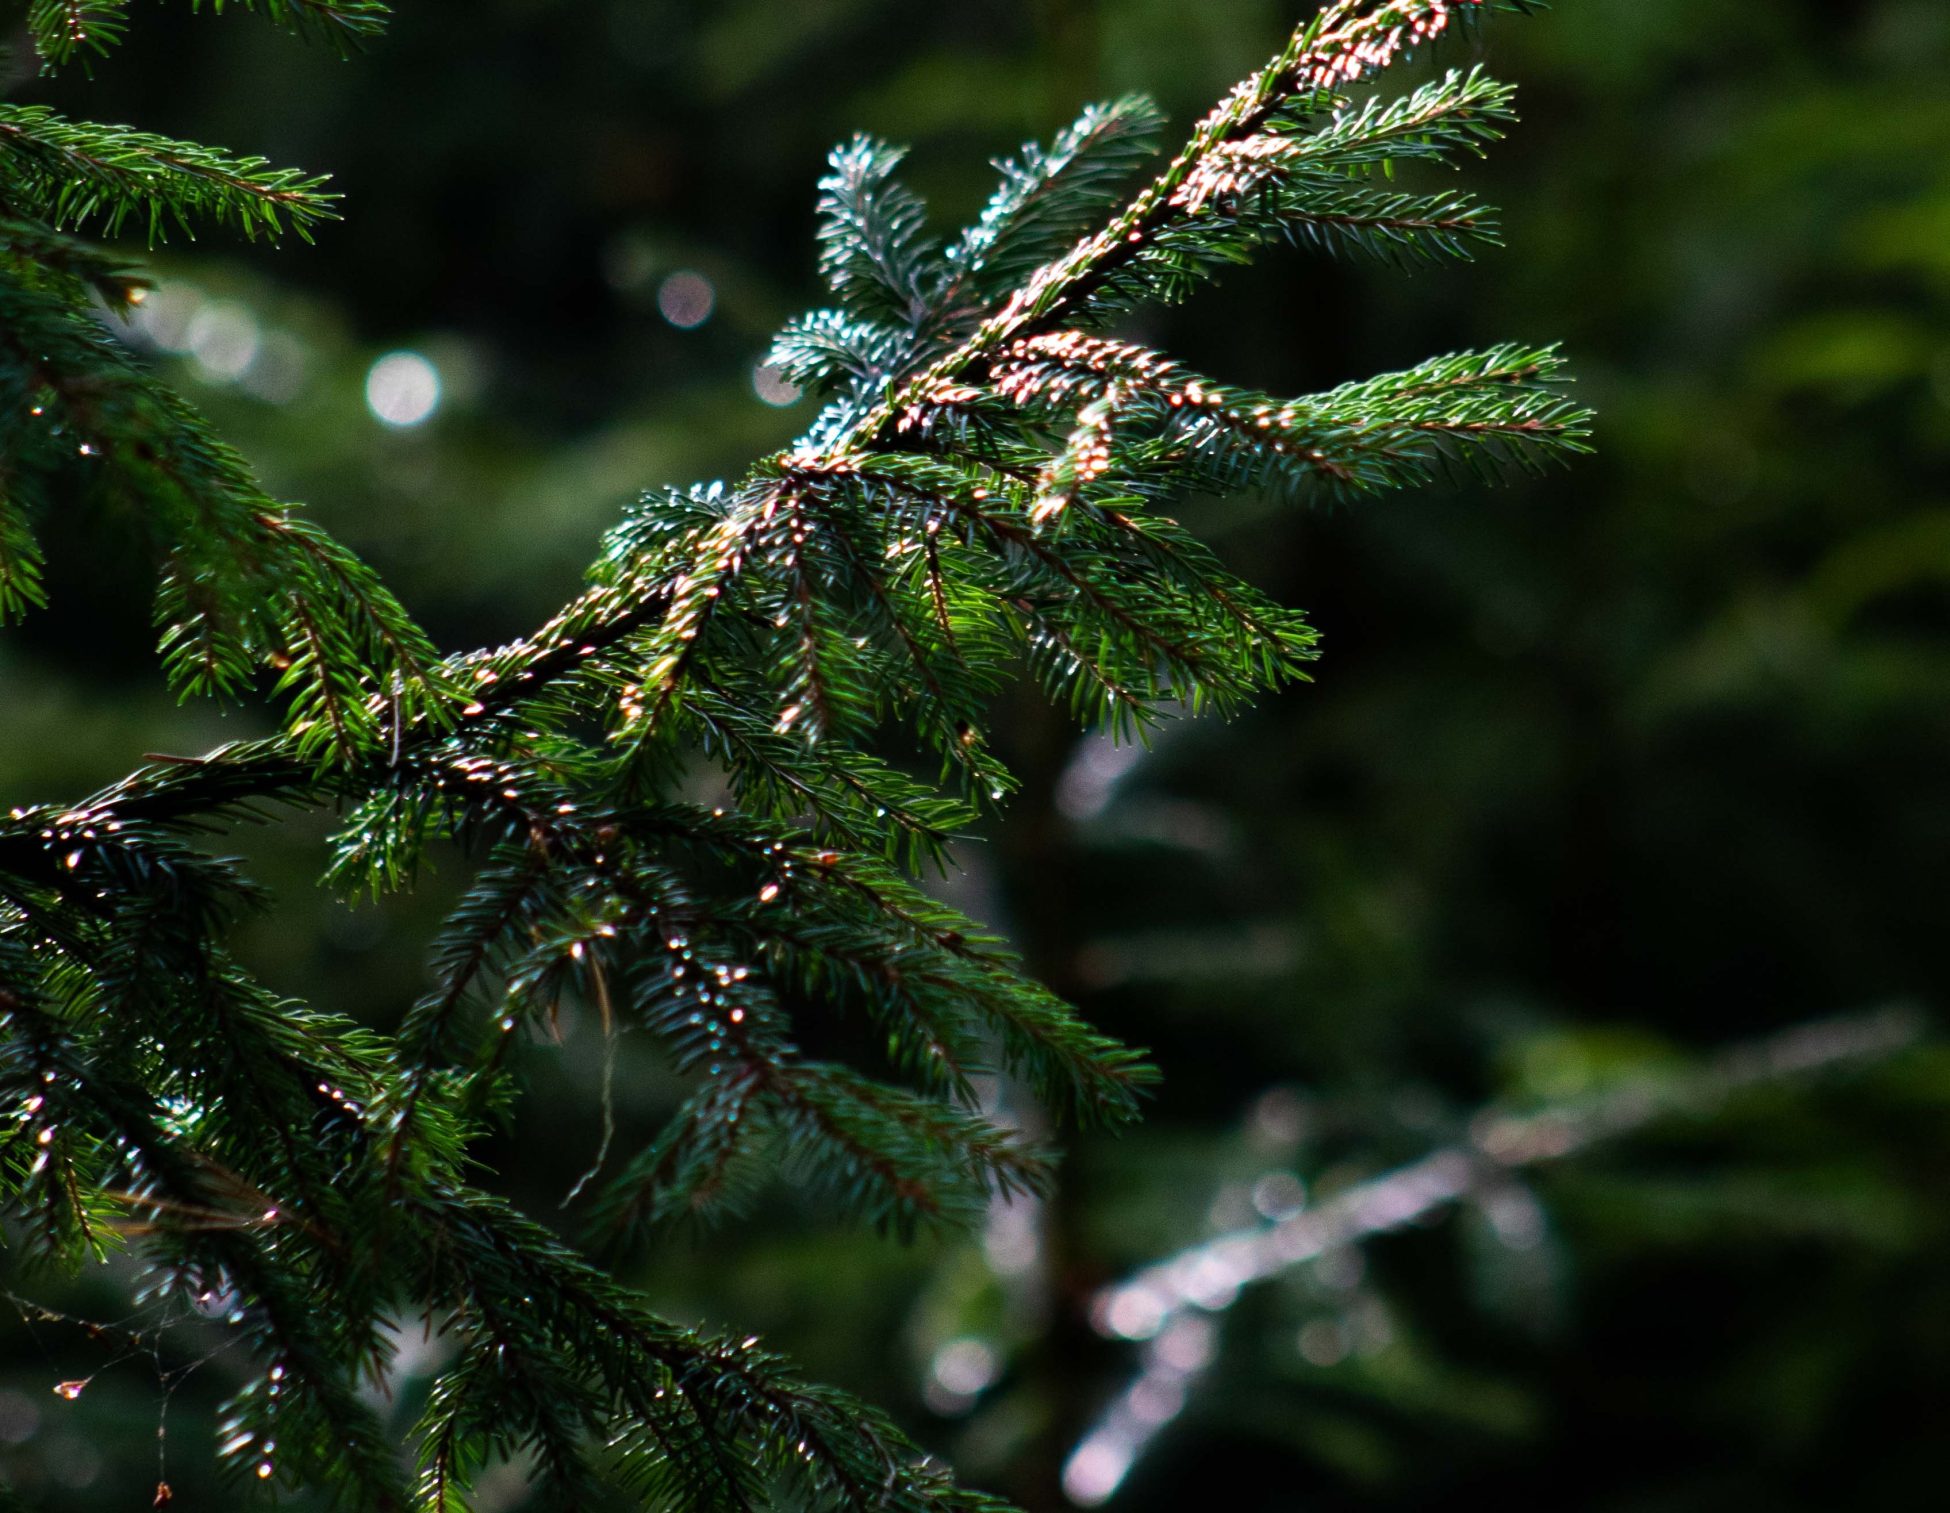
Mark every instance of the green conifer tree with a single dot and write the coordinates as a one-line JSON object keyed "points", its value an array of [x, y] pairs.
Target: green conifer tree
{"points": [[986, 491]]}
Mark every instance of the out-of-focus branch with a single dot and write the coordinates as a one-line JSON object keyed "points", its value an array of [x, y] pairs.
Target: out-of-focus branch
{"points": [[1169, 1305]]}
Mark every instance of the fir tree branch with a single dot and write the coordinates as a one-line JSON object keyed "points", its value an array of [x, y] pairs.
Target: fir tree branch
{"points": [[345, 24], [20, 557], [1049, 198], [872, 246], [25, 244], [1145, 1306], [69, 173], [63, 30], [987, 484], [245, 581]]}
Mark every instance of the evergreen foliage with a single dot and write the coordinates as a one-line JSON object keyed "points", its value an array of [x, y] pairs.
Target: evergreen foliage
{"points": [[986, 491]]}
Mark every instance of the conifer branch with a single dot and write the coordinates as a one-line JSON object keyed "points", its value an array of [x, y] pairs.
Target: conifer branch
{"points": [[986, 489], [245, 581], [63, 30], [1050, 198], [69, 174], [25, 243], [345, 24], [1177, 1293]]}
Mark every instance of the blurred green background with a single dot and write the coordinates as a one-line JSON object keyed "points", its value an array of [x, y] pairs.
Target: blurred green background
{"points": [[1599, 773]]}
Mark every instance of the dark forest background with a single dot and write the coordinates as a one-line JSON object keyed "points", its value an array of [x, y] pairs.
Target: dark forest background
{"points": [[1599, 773]]}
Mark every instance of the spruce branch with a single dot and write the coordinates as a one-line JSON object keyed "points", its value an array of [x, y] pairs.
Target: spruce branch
{"points": [[1173, 1295], [872, 241], [63, 30], [70, 173], [20, 558], [246, 582], [1050, 197], [987, 491], [27, 243], [345, 24]]}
